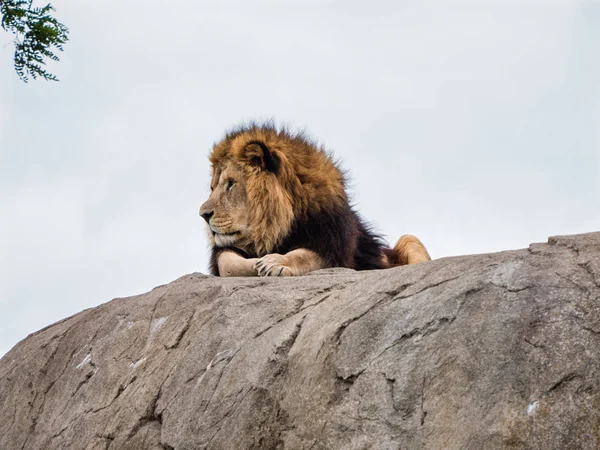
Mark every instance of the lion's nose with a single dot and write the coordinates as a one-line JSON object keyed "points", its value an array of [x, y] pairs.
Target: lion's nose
{"points": [[206, 215], [206, 212]]}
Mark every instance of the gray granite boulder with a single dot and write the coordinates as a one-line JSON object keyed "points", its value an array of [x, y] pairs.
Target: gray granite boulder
{"points": [[471, 352]]}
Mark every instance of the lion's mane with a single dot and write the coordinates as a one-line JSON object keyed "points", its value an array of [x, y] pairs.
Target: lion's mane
{"points": [[297, 199]]}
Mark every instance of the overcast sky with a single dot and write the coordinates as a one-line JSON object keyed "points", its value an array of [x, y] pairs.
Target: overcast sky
{"points": [[472, 124]]}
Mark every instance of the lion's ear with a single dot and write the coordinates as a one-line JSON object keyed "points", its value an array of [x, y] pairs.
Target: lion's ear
{"points": [[258, 154]]}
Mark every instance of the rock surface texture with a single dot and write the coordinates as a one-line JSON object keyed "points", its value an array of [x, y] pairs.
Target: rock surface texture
{"points": [[473, 352]]}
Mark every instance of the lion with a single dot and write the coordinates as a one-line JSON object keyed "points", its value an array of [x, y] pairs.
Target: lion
{"points": [[278, 207]]}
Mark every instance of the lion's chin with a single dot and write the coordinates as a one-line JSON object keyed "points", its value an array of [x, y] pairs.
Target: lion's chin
{"points": [[225, 240]]}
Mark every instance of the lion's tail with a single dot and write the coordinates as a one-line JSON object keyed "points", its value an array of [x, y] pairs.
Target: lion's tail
{"points": [[408, 250]]}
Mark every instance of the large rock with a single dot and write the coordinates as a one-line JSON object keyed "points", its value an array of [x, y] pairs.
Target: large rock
{"points": [[485, 351]]}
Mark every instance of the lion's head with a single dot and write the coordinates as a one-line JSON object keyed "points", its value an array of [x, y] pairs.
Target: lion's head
{"points": [[262, 180], [226, 210]]}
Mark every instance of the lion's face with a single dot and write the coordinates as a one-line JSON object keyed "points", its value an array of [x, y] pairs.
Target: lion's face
{"points": [[226, 210]]}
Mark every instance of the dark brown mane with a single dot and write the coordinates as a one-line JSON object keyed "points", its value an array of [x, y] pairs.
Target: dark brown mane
{"points": [[298, 199]]}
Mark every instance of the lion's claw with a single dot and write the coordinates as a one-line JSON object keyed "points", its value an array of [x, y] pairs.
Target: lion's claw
{"points": [[272, 265]]}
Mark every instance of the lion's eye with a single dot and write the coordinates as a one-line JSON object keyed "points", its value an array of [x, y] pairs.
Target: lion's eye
{"points": [[229, 185]]}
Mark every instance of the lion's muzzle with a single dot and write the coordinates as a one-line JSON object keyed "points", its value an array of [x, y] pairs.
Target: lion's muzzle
{"points": [[206, 211]]}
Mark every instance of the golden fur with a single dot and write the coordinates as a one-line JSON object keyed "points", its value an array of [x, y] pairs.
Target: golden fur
{"points": [[308, 180], [270, 190]]}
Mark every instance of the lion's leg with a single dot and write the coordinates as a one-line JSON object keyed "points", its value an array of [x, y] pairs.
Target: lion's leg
{"points": [[233, 265], [410, 250], [294, 263]]}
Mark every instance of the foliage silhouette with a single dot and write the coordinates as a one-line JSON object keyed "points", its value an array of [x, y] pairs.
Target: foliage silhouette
{"points": [[37, 36]]}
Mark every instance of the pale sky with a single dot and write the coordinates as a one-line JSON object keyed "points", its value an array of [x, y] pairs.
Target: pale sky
{"points": [[473, 124]]}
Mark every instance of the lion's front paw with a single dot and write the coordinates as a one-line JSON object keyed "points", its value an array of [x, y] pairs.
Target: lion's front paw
{"points": [[273, 265]]}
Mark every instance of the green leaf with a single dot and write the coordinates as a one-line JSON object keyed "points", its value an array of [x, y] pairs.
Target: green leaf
{"points": [[38, 36]]}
